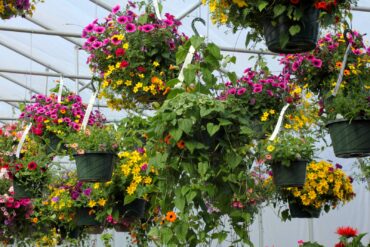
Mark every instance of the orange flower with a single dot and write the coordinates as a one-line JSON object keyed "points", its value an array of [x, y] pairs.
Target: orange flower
{"points": [[35, 220], [181, 144], [347, 72], [171, 216], [167, 139], [166, 91], [338, 64]]}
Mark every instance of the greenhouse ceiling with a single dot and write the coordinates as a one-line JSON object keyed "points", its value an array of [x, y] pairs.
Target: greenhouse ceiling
{"points": [[36, 51]]}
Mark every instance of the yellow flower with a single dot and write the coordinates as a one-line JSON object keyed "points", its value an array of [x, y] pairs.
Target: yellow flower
{"points": [[102, 202], [287, 126], [272, 111], [96, 186], [91, 203], [270, 148], [263, 119], [147, 180], [125, 46], [155, 64]]}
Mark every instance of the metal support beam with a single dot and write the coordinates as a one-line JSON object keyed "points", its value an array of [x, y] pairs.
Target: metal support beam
{"points": [[242, 50], [191, 9], [39, 31], [37, 60], [43, 25], [16, 119], [20, 84], [25, 72], [361, 9], [102, 4], [29, 101]]}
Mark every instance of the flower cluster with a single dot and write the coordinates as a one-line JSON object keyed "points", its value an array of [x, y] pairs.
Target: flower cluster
{"points": [[352, 100], [12, 210], [135, 168], [9, 137], [50, 117], [253, 14], [263, 95], [12, 8], [326, 185], [134, 55]]}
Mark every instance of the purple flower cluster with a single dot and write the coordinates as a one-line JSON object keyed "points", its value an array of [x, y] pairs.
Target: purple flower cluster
{"points": [[47, 112]]}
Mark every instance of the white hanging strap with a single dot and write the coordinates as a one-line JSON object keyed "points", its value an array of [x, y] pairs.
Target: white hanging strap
{"points": [[188, 59], [23, 138], [61, 85], [279, 122], [88, 110], [156, 9], [340, 77]]}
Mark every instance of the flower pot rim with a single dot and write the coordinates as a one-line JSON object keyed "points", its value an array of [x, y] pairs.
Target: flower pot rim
{"points": [[292, 161], [344, 120]]}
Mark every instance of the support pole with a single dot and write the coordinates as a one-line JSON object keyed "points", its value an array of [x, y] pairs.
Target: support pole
{"points": [[20, 84], [191, 9], [260, 228], [310, 230], [25, 72], [77, 54], [102, 4]]}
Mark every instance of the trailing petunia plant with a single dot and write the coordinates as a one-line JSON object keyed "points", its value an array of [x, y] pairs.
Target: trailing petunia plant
{"points": [[133, 55], [319, 70]]}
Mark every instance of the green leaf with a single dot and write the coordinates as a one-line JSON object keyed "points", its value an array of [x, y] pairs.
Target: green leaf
{"points": [[181, 53], [214, 50], [189, 75], [284, 38], [185, 125], [172, 82], [176, 134], [202, 168], [233, 159], [279, 9], [128, 199], [190, 196], [212, 129], [166, 235], [143, 19], [196, 41], [232, 76], [180, 203], [295, 29], [262, 5], [173, 92], [181, 230], [224, 122]]}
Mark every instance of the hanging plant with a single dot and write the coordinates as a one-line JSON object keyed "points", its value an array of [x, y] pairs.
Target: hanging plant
{"points": [[133, 55], [13, 8], [345, 110], [53, 121], [288, 26], [326, 187]]}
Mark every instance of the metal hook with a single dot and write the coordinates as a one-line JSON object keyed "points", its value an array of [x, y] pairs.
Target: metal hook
{"points": [[199, 19]]}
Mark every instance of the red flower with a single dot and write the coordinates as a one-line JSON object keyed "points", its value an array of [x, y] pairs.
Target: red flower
{"points": [[120, 52], [321, 5], [294, 1], [340, 244], [124, 64], [37, 131], [141, 69], [347, 231], [18, 167], [32, 166]]}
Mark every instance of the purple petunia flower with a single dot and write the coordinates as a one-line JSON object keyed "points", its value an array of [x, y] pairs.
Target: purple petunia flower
{"points": [[97, 44], [338, 166], [87, 192], [116, 8], [89, 28], [75, 195], [317, 63], [241, 91], [55, 199], [231, 91], [99, 29]]}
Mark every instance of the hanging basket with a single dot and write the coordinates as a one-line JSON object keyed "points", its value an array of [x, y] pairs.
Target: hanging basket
{"points": [[135, 209], [94, 229], [303, 41], [300, 211], [94, 166], [84, 218], [350, 139], [20, 191], [292, 176]]}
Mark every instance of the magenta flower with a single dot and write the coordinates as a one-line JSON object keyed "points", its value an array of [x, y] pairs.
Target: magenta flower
{"points": [[116, 8], [122, 19], [169, 22], [87, 191], [231, 91], [91, 39], [257, 89], [295, 66], [116, 41], [241, 91], [97, 44], [130, 28], [99, 29], [317, 63], [147, 28], [89, 28]]}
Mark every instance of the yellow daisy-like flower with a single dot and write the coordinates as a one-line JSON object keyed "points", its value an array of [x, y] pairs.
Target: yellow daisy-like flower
{"points": [[91, 203], [270, 148], [102, 202]]}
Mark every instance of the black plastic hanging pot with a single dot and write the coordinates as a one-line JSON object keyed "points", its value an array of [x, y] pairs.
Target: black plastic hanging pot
{"points": [[303, 41], [350, 139], [94, 166], [301, 211], [292, 176], [84, 218]]}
